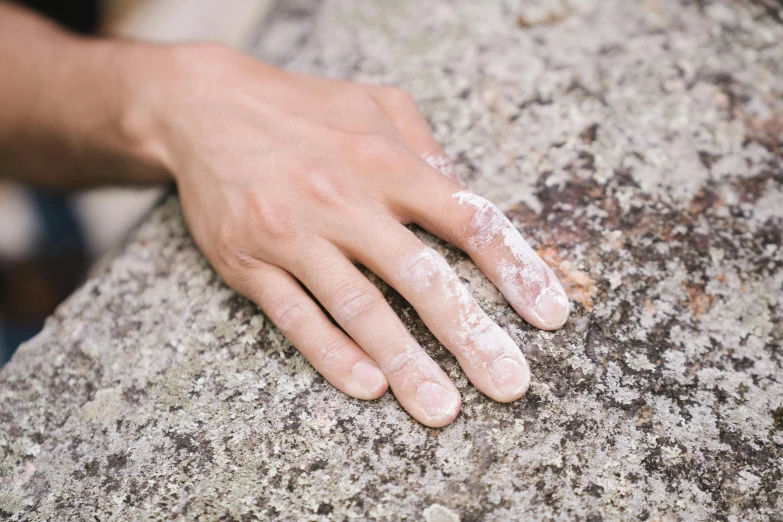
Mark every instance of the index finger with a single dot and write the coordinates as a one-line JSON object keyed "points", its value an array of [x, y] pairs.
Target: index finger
{"points": [[481, 230]]}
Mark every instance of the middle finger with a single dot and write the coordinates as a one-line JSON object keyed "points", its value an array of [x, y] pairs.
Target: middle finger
{"points": [[489, 357]]}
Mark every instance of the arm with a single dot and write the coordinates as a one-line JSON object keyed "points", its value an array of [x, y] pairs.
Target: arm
{"points": [[286, 182], [69, 111]]}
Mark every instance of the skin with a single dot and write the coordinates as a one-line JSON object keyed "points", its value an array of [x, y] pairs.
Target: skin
{"points": [[287, 181]]}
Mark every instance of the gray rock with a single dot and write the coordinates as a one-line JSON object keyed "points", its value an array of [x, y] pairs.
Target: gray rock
{"points": [[636, 144]]}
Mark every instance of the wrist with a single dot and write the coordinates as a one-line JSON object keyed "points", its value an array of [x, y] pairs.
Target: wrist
{"points": [[170, 87], [96, 111], [140, 72], [72, 111]]}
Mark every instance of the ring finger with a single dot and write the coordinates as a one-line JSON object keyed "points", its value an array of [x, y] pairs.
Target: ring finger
{"points": [[489, 357]]}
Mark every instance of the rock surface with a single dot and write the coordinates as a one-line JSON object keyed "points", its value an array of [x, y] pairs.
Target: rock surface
{"points": [[636, 144]]}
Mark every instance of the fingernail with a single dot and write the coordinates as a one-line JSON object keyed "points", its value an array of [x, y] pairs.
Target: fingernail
{"points": [[510, 377], [369, 376], [436, 401], [552, 308]]}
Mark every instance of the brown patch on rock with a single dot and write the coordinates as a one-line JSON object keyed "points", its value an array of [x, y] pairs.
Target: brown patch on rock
{"points": [[767, 132], [577, 283], [705, 200], [590, 133], [551, 18], [644, 416], [699, 301]]}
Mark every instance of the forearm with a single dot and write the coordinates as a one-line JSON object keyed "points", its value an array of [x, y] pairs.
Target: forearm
{"points": [[72, 109]]}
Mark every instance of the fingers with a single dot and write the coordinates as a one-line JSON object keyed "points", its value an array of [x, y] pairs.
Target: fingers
{"points": [[413, 127], [489, 357], [332, 353], [420, 385], [521, 275], [481, 230]]}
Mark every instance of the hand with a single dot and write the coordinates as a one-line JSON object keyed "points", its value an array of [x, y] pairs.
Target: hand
{"points": [[288, 180]]}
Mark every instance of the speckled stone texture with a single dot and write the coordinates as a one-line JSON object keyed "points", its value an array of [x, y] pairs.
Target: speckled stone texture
{"points": [[637, 144]]}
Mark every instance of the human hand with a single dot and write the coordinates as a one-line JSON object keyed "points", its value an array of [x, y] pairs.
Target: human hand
{"points": [[288, 180]]}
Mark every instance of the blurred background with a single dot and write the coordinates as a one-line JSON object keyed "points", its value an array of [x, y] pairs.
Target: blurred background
{"points": [[49, 240]]}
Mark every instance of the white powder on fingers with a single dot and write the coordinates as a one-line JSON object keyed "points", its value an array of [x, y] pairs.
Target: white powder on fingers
{"points": [[474, 337], [442, 164], [411, 369], [489, 225], [410, 361], [559, 296], [351, 305], [486, 342], [420, 268], [522, 276], [487, 221]]}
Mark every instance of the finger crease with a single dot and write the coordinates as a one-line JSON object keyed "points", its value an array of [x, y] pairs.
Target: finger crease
{"points": [[331, 350], [403, 362]]}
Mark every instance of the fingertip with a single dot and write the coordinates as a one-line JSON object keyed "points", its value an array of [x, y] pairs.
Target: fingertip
{"points": [[439, 405], [553, 308], [369, 382], [511, 377]]}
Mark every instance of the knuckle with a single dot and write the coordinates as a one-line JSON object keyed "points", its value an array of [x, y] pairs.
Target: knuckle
{"points": [[396, 95], [442, 164], [481, 337], [326, 189], [377, 147], [422, 268], [353, 301], [328, 353], [270, 218], [354, 91], [292, 314], [363, 100], [360, 101], [230, 252], [483, 222], [404, 363]]}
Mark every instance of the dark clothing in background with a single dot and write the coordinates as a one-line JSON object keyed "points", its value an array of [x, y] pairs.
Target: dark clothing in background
{"points": [[82, 16], [30, 289]]}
